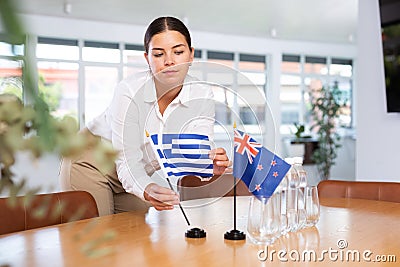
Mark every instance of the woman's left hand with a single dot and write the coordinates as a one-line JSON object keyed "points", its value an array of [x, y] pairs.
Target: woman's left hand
{"points": [[221, 162]]}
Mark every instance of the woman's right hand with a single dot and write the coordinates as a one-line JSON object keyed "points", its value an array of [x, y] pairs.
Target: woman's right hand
{"points": [[161, 198]]}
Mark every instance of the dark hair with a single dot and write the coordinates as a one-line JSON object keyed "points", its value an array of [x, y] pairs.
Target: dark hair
{"points": [[163, 24]]}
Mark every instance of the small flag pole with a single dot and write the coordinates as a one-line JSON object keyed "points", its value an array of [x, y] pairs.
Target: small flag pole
{"points": [[193, 232], [234, 234], [180, 206]]}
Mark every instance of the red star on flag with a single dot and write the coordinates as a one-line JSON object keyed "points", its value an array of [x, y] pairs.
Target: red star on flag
{"points": [[275, 174], [273, 163], [258, 187], [259, 167]]}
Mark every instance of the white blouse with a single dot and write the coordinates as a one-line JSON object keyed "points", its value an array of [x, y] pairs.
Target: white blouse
{"points": [[134, 110]]}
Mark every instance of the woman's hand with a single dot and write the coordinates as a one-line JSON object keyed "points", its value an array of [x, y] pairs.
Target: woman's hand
{"points": [[221, 162], [161, 198]]}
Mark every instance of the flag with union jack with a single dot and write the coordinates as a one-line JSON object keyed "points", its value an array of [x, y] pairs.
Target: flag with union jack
{"points": [[259, 168]]}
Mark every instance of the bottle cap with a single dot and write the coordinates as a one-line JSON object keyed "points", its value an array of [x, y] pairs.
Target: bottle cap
{"points": [[289, 160], [298, 160]]}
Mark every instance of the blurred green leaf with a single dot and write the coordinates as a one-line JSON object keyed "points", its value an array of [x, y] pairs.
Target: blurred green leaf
{"points": [[10, 21], [93, 247]]}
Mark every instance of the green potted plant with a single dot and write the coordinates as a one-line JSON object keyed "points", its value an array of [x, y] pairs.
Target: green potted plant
{"points": [[300, 130], [325, 108]]}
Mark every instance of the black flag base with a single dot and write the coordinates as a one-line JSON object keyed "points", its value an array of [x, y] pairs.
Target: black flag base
{"points": [[235, 235], [195, 233]]}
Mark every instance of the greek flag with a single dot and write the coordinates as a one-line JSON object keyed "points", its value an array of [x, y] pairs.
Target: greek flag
{"points": [[184, 154]]}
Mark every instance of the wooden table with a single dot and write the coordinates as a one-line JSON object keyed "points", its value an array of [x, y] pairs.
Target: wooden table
{"points": [[157, 238]]}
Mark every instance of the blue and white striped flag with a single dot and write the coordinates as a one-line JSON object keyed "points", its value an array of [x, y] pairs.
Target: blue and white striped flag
{"points": [[184, 154]]}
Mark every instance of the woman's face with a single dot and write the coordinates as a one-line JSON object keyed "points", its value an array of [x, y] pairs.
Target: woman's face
{"points": [[167, 51]]}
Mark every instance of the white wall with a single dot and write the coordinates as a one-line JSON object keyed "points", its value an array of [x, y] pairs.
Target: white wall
{"points": [[378, 132]]}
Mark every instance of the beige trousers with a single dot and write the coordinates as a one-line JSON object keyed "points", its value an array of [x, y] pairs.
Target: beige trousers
{"points": [[81, 173]]}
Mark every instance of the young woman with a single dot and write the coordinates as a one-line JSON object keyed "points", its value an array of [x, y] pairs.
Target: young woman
{"points": [[163, 99]]}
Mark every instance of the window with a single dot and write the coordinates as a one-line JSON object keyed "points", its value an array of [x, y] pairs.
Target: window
{"points": [[58, 84], [11, 50], [58, 69], [315, 65], [239, 89], [101, 66], [221, 58], [290, 93], [222, 75], [78, 77], [252, 88], [99, 89], [300, 76], [51, 48], [11, 66], [83, 86], [290, 97], [133, 59], [315, 76], [101, 52], [342, 72], [11, 77], [197, 54]]}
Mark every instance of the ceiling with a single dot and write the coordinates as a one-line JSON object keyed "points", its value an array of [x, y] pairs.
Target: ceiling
{"points": [[333, 21]]}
